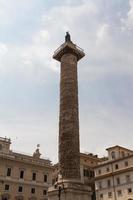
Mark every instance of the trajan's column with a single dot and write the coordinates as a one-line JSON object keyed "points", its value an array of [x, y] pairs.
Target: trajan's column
{"points": [[69, 186]]}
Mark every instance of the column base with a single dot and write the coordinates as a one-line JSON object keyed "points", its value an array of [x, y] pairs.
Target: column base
{"points": [[69, 190]]}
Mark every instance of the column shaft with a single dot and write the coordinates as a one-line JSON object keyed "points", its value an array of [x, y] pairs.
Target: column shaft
{"points": [[69, 155]]}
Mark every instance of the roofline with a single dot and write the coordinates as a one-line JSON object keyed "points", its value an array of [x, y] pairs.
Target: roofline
{"points": [[90, 156], [5, 139], [113, 161], [44, 165], [120, 148], [30, 156]]}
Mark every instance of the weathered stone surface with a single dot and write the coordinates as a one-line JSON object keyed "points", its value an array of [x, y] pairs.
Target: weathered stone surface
{"points": [[69, 122], [69, 186]]}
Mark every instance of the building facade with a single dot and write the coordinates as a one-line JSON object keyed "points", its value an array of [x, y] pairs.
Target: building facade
{"points": [[114, 177], [23, 177], [87, 163]]}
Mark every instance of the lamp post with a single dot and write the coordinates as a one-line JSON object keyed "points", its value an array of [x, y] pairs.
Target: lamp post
{"points": [[61, 188]]}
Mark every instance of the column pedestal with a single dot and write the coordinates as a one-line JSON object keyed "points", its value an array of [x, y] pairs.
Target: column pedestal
{"points": [[69, 190]]}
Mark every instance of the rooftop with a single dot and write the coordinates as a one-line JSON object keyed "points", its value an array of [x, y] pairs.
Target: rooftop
{"points": [[120, 147], [4, 139]]}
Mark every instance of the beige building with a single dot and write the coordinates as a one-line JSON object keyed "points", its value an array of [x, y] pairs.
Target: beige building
{"points": [[23, 177], [87, 163], [114, 177]]}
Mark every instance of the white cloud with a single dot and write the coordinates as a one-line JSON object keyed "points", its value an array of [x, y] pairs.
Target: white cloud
{"points": [[108, 53], [103, 32], [103, 35], [130, 15], [41, 37], [87, 25], [127, 22], [3, 49]]}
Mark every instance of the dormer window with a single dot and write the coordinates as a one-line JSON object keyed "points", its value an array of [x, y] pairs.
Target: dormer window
{"points": [[113, 155], [123, 154]]}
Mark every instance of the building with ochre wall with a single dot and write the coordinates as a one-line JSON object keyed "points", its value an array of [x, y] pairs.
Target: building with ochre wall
{"points": [[23, 177]]}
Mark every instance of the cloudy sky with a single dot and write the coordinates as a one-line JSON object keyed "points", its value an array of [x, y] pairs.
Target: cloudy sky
{"points": [[30, 31]]}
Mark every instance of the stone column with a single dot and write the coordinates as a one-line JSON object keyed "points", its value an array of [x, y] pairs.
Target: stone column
{"points": [[69, 187], [69, 159]]}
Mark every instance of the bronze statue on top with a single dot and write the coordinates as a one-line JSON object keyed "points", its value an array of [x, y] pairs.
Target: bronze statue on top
{"points": [[67, 37]]}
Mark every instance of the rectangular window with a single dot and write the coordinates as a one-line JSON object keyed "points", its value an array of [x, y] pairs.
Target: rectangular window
{"points": [[99, 171], [44, 192], [8, 171], [129, 190], [91, 174], [20, 189], [109, 183], [45, 178], [128, 178], [107, 169], [123, 154], [101, 196], [86, 172], [100, 185], [116, 166], [7, 187], [34, 176], [119, 193], [126, 163], [113, 155], [33, 190], [118, 181], [109, 194], [22, 174]]}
